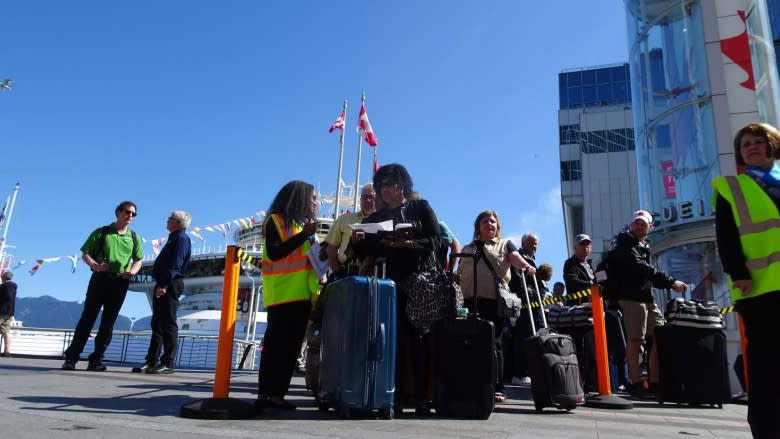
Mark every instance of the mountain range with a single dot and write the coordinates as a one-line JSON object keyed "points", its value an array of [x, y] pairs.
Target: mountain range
{"points": [[49, 312]]}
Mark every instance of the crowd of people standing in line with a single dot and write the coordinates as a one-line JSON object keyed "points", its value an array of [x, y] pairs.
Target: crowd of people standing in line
{"points": [[747, 227]]}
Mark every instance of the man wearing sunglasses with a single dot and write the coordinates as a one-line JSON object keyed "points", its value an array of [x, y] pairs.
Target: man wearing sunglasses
{"points": [[114, 253]]}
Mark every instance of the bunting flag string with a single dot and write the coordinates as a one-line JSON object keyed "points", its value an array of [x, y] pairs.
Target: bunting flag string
{"points": [[223, 228]]}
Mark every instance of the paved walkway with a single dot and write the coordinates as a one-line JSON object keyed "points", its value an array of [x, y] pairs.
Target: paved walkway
{"points": [[37, 400]]}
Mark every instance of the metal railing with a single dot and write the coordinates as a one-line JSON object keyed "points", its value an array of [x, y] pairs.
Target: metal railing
{"points": [[193, 351]]}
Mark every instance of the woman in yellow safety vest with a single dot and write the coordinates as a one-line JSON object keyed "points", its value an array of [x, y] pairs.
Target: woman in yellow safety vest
{"points": [[748, 234], [289, 283]]}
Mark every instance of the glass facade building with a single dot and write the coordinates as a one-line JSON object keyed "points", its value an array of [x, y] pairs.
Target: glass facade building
{"points": [[701, 70]]}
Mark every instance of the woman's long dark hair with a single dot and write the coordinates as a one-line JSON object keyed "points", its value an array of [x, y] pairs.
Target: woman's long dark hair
{"points": [[293, 202], [397, 174]]}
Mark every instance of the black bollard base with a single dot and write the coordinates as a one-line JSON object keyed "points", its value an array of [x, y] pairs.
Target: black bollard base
{"points": [[222, 408], [613, 402]]}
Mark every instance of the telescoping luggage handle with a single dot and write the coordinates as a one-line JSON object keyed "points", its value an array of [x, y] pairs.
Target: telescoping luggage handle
{"points": [[528, 303], [476, 255]]}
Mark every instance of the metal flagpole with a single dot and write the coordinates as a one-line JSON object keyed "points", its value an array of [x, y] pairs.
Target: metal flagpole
{"points": [[360, 151], [341, 160], [7, 224]]}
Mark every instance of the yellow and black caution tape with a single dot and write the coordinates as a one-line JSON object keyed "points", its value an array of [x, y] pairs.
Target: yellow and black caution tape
{"points": [[586, 293], [554, 300], [242, 255]]}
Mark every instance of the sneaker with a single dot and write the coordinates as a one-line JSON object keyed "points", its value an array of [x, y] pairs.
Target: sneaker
{"points": [[6, 354], [524, 381], [162, 369], [638, 391], [68, 365], [148, 365], [96, 367]]}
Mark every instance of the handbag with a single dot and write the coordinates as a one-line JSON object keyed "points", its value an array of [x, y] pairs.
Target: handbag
{"points": [[508, 302], [432, 295], [694, 313]]}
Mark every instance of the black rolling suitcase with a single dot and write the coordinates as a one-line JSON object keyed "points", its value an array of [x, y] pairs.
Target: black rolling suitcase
{"points": [[553, 367], [693, 365], [465, 365]]}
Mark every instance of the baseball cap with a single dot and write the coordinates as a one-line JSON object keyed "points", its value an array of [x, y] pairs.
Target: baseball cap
{"points": [[643, 215], [582, 237]]}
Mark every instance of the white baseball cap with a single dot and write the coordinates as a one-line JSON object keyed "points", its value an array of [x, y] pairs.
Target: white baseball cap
{"points": [[644, 216]]}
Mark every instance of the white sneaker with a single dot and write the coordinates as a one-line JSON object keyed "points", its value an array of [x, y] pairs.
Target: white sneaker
{"points": [[524, 381]]}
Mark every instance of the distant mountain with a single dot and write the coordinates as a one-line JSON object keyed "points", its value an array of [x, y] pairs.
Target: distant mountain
{"points": [[48, 312]]}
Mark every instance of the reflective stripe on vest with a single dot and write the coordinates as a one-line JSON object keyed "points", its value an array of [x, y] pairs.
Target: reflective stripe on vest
{"points": [[758, 223], [291, 278]]}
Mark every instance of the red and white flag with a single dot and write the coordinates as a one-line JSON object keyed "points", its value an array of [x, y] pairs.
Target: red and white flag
{"points": [[364, 126], [338, 124]]}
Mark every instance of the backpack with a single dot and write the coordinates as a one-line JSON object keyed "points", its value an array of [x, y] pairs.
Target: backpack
{"points": [[605, 270]]}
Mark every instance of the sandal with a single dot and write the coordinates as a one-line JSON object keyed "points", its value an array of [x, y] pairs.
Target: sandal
{"points": [[500, 397]]}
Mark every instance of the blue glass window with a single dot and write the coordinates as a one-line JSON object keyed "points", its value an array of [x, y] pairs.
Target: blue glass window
{"points": [[589, 96], [571, 170], [620, 93], [575, 96], [573, 79], [603, 75], [619, 74], [588, 77], [604, 96]]}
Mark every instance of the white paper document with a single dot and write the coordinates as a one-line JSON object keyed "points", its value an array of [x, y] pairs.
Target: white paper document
{"points": [[384, 226], [321, 267]]}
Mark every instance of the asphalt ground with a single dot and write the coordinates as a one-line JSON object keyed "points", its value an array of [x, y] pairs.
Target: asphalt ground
{"points": [[41, 401]]}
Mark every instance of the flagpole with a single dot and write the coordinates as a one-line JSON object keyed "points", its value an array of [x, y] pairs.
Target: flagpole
{"points": [[360, 151], [7, 224], [341, 160]]}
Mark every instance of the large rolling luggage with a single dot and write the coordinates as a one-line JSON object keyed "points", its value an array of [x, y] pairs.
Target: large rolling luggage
{"points": [[693, 365], [465, 364], [553, 367], [357, 352]]}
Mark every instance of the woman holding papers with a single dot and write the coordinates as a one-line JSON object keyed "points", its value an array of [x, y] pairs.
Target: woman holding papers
{"points": [[289, 285], [409, 250]]}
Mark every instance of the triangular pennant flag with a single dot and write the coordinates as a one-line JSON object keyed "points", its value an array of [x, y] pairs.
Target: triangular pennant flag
{"points": [[35, 267], [73, 260]]}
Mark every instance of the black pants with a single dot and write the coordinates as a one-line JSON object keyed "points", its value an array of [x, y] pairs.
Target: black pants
{"points": [[107, 291], [165, 331], [281, 346], [759, 315]]}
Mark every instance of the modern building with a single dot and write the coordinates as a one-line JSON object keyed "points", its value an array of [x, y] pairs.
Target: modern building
{"points": [[701, 70], [598, 163]]}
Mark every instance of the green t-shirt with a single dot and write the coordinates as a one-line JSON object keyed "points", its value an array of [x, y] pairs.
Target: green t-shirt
{"points": [[118, 249]]}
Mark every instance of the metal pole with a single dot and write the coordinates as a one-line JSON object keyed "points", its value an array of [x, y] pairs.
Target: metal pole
{"points": [[341, 160], [360, 153], [7, 225]]}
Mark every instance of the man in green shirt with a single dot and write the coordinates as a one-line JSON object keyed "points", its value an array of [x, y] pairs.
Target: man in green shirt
{"points": [[114, 253]]}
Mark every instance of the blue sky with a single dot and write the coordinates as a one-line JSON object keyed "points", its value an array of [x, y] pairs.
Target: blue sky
{"points": [[211, 107]]}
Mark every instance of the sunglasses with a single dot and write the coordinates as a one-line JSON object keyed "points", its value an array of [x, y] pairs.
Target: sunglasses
{"points": [[130, 212]]}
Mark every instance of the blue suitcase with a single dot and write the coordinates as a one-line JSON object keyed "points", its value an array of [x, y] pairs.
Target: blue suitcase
{"points": [[357, 352]]}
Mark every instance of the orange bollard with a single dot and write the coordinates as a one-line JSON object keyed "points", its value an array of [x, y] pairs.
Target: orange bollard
{"points": [[743, 341], [227, 324], [600, 341], [605, 399], [221, 406]]}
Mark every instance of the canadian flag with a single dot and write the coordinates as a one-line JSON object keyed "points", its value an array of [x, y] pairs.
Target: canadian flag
{"points": [[338, 124], [364, 126]]}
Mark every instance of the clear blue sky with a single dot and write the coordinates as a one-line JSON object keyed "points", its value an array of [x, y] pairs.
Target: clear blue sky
{"points": [[211, 107]]}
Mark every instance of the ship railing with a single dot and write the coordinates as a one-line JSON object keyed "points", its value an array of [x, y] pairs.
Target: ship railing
{"points": [[194, 351]]}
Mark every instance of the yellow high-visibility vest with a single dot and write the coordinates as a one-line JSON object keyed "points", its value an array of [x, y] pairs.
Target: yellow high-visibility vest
{"points": [[292, 278], [758, 222]]}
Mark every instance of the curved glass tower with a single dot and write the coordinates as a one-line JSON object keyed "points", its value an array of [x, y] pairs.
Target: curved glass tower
{"points": [[700, 70]]}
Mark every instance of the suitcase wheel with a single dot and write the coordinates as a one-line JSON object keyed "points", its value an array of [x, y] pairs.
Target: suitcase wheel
{"points": [[539, 407]]}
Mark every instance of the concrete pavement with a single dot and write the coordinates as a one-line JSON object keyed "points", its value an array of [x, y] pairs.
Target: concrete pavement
{"points": [[39, 401]]}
